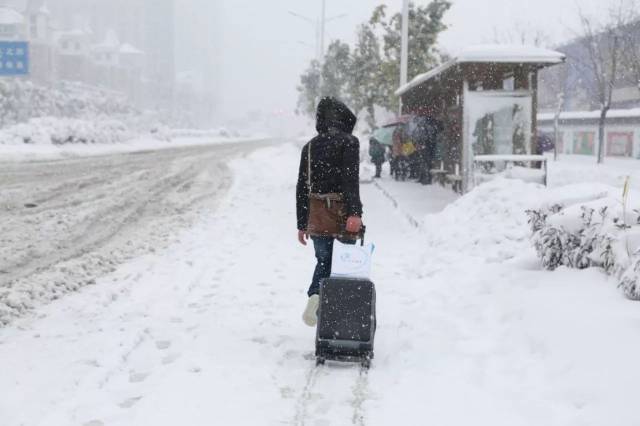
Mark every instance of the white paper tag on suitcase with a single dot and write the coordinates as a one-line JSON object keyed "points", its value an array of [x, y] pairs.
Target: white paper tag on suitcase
{"points": [[351, 261]]}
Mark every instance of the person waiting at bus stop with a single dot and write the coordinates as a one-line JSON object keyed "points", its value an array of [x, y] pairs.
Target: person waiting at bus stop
{"points": [[403, 152], [377, 153], [426, 130]]}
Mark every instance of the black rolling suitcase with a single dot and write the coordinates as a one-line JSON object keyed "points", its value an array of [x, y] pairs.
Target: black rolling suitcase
{"points": [[346, 320]]}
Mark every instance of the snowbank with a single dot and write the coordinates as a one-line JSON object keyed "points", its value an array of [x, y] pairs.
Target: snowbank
{"points": [[60, 131], [210, 133], [491, 220]]}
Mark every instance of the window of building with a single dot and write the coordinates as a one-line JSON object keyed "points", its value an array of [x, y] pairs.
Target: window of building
{"points": [[620, 144], [7, 30], [583, 143], [34, 26]]}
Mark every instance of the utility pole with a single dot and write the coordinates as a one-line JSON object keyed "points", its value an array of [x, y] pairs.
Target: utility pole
{"points": [[404, 57], [320, 30]]}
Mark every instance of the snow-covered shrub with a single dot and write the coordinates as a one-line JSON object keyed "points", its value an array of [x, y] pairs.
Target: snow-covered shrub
{"points": [[22, 100], [630, 281], [600, 233], [71, 113], [61, 131]]}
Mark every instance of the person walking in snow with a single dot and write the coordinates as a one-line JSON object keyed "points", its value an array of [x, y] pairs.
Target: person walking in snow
{"points": [[328, 202]]}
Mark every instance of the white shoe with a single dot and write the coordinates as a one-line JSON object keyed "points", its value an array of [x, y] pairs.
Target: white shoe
{"points": [[310, 315]]}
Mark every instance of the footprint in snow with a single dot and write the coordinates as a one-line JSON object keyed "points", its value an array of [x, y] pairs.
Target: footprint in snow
{"points": [[94, 423], [137, 377], [163, 344], [287, 392], [170, 359], [129, 402]]}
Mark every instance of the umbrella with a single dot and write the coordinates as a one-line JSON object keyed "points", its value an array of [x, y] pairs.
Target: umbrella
{"points": [[384, 134]]}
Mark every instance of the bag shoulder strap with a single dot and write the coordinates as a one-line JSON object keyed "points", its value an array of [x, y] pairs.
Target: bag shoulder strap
{"points": [[309, 167]]}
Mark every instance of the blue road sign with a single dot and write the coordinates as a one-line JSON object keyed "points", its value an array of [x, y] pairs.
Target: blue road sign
{"points": [[14, 58]]}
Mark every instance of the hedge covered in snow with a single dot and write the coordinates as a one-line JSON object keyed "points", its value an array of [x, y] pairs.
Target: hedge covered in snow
{"points": [[22, 100], [604, 233], [60, 131], [70, 113]]}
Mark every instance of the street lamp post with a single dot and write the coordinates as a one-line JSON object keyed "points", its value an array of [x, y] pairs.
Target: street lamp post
{"points": [[319, 28], [320, 31]]}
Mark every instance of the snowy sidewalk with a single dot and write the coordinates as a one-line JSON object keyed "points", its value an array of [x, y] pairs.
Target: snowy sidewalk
{"points": [[471, 330], [413, 199]]}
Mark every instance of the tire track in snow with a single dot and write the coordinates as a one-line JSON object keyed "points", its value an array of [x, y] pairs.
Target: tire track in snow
{"points": [[310, 395], [360, 395], [302, 405]]}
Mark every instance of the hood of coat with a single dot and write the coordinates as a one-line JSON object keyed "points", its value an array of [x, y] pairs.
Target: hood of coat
{"points": [[334, 114]]}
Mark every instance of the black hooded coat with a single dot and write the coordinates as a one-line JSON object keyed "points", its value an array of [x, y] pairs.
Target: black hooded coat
{"points": [[335, 160]]}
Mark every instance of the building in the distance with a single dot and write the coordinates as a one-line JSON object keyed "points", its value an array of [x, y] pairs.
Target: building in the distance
{"points": [[147, 27], [578, 132], [123, 45], [13, 25]]}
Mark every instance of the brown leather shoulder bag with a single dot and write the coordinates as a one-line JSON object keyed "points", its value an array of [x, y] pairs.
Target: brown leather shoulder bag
{"points": [[327, 216]]}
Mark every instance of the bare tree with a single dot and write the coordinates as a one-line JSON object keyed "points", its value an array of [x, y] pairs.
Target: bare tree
{"points": [[523, 34], [629, 19], [602, 49]]}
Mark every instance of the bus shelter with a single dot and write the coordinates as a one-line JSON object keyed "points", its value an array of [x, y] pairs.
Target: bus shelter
{"points": [[486, 101]]}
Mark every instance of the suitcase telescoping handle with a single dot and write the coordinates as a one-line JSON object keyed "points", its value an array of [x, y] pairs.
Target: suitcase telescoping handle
{"points": [[361, 234], [358, 236]]}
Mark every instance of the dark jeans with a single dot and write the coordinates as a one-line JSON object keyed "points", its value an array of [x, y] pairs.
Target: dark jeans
{"points": [[324, 250], [378, 169]]}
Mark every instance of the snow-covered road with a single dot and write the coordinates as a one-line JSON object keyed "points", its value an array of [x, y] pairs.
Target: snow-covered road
{"points": [[208, 332], [64, 223]]}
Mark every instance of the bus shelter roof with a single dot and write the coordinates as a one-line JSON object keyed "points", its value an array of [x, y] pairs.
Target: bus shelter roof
{"points": [[490, 54]]}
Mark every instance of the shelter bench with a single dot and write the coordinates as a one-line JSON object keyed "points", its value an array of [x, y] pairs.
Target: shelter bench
{"points": [[440, 175], [455, 179]]}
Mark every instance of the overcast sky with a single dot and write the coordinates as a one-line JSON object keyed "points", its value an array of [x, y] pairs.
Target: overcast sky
{"points": [[260, 51]]}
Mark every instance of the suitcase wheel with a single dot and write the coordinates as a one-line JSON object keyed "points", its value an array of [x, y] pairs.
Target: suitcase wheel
{"points": [[366, 364], [320, 360]]}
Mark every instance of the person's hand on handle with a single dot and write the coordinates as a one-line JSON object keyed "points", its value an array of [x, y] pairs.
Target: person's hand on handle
{"points": [[303, 237], [354, 224]]}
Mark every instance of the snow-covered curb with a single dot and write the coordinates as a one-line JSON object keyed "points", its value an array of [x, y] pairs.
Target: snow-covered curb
{"points": [[408, 216], [51, 152]]}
